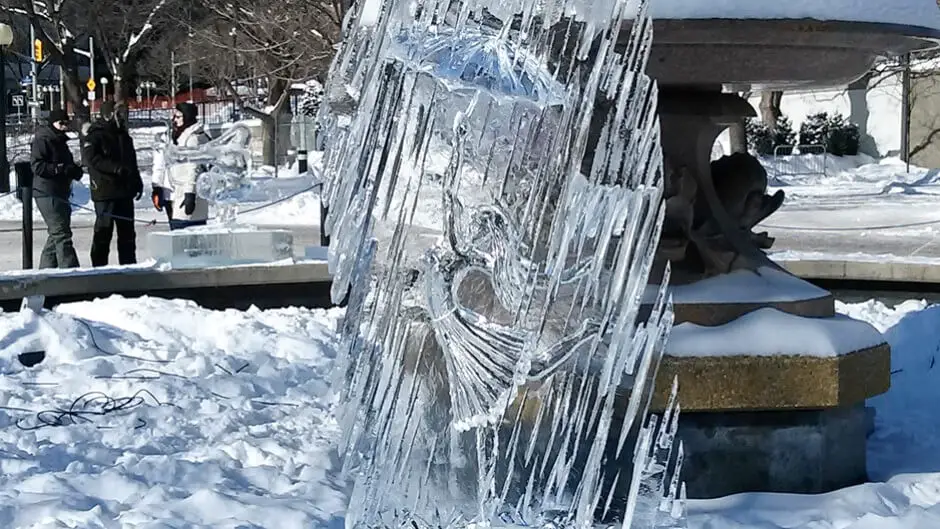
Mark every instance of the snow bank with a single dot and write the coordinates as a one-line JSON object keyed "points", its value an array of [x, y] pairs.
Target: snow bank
{"points": [[231, 425], [236, 424], [907, 423], [829, 170]]}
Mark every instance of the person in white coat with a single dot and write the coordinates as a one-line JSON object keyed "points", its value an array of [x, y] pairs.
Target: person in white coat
{"points": [[162, 195], [174, 185]]}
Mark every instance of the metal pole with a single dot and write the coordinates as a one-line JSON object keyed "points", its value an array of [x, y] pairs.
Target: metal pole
{"points": [[190, 99], [91, 69], [324, 211], [35, 74], [24, 186], [906, 112], [27, 226], [4, 164]]}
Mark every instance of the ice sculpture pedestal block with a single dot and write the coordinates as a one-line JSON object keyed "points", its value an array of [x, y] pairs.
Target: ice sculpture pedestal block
{"points": [[773, 386], [220, 246]]}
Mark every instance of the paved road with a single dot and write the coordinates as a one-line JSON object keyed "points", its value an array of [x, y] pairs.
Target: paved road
{"points": [[11, 245]]}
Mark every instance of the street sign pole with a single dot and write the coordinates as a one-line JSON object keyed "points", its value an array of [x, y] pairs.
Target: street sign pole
{"points": [[35, 71]]}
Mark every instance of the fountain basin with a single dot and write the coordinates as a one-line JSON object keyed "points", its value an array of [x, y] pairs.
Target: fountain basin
{"points": [[775, 54]]}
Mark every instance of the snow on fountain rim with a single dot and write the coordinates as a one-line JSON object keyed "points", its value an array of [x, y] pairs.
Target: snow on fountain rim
{"points": [[769, 285], [759, 333]]}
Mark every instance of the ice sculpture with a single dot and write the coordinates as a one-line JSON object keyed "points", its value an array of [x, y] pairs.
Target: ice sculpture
{"points": [[224, 180], [500, 374]]}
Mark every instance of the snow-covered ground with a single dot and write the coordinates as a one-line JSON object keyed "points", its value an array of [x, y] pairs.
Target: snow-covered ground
{"points": [[163, 414], [158, 413], [854, 194]]}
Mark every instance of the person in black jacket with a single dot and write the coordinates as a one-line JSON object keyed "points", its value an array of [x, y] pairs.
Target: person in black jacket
{"points": [[109, 154], [54, 169]]}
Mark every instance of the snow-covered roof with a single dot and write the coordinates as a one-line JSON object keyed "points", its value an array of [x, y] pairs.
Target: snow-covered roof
{"points": [[918, 13]]}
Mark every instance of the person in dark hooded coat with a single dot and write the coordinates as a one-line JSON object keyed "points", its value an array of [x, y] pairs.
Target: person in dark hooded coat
{"points": [[54, 170], [108, 152]]}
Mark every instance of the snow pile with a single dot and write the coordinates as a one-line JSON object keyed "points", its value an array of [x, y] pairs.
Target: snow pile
{"points": [[190, 417], [232, 426], [907, 429]]}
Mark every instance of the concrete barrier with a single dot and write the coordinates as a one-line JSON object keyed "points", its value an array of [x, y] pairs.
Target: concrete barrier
{"points": [[303, 283], [869, 269]]}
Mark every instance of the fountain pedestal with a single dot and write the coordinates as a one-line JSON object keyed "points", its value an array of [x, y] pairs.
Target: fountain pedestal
{"points": [[772, 385]]}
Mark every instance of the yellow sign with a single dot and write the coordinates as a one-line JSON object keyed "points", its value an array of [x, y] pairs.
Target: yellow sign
{"points": [[90, 84], [37, 50]]}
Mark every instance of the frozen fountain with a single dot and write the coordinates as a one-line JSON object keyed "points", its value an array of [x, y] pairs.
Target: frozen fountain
{"points": [[224, 181]]}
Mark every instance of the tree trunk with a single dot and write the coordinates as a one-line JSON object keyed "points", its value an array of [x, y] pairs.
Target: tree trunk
{"points": [[75, 92], [738, 137], [273, 134], [770, 108], [122, 74]]}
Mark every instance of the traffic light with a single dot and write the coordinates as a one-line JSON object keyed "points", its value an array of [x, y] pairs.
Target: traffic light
{"points": [[37, 50]]}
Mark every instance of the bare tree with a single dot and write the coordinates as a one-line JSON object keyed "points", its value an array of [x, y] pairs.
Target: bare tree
{"points": [[737, 134], [923, 99], [54, 22], [279, 42], [123, 32], [770, 107]]}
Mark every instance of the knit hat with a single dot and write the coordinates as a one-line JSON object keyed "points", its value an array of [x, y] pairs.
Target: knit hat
{"points": [[106, 111], [57, 115], [190, 113]]}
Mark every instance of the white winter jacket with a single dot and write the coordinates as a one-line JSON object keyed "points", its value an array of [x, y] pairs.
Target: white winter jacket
{"points": [[158, 176], [179, 179]]}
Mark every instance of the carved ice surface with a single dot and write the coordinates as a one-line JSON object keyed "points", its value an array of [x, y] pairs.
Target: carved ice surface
{"points": [[224, 166], [203, 246], [494, 179], [224, 179]]}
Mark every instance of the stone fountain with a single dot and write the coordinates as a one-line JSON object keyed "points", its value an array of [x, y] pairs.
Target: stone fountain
{"points": [[773, 382]]}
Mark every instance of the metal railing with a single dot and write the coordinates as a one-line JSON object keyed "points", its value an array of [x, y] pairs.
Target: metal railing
{"points": [[799, 160]]}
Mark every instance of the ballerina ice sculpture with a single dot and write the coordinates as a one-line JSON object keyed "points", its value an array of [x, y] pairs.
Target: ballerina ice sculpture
{"points": [[224, 180]]}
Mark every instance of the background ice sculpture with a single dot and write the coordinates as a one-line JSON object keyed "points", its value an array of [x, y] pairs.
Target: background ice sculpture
{"points": [[224, 165], [500, 373]]}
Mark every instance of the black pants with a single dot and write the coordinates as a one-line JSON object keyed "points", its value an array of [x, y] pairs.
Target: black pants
{"points": [[108, 214], [59, 252]]}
